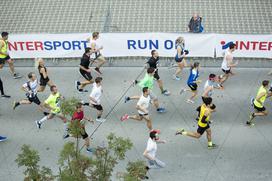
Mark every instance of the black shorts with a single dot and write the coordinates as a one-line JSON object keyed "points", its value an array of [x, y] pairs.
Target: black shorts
{"points": [[34, 99], [193, 86], [156, 75], [259, 109], [201, 130], [98, 107], [86, 75], [3, 60], [43, 82], [84, 134], [226, 71]]}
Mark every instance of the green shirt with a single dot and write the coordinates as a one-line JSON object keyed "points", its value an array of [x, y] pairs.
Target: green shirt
{"points": [[54, 102], [147, 81]]}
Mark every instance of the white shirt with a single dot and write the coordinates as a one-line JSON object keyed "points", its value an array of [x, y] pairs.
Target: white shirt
{"points": [[32, 85], [224, 64], [97, 46], [144, 103], [96, 94], [151, 148]]}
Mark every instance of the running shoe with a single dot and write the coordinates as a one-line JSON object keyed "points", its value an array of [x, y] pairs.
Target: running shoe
{"points": [[3, 138], [166, 92], [125, 117], [161, 110], [98, 70], [127, 99], [15, 104], [190, 101], [16, 76], [90, 150], [66, 135], [101, 120], [180, 131], [77, 83], [212, 146], [82, 90], [38, 124], [250, 123], [176, 77], [5, 96]]}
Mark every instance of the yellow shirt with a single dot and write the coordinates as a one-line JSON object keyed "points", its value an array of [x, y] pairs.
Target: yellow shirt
{"points": [[262, 99], [4, 48], [54, 102], [203, 109]]}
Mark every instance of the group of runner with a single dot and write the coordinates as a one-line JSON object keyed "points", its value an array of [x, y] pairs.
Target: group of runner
{"points": [[51, 106]]}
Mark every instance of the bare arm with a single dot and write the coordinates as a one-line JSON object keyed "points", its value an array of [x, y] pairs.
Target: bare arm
{"points": [[83, 68], [205, 94], [259, 97]]}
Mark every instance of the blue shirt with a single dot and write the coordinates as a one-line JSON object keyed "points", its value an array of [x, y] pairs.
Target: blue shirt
{"points": [[194, 74]]}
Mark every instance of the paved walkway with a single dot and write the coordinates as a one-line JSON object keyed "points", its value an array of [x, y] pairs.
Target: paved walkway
{"points": [[244, 153]]}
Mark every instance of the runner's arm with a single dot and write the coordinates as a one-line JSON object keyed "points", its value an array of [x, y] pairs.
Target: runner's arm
{"points": [[259, 97], [229, 61], [83, 68]]}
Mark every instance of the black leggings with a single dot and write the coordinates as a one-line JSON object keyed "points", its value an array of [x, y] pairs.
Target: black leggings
{"points": [[1, 87]]}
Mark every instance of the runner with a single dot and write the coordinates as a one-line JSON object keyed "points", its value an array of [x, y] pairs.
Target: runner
{"points": [[142, 107], [148, 81], [153, 62], [95, 96], [96, 48], [180, 56], [203, 124], [227, 63], [85, 71], [192, 82], [30, 87], [258, 103], [151, 149], [44, 79], [53, 104], [79, 116], [4, 55]]}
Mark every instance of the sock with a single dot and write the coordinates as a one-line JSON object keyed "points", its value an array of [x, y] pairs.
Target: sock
{"points": [[98, 117], [17, 104], [43, 119], [80, 89], [209, 143], [184, 132], [86, 104]]}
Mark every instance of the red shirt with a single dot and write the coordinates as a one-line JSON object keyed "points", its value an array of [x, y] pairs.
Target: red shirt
{"points": [[78, 116]]}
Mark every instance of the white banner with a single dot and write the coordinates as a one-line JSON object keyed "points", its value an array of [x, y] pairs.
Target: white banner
{"points": [[114, 44], [137, 44], [258, 46]]}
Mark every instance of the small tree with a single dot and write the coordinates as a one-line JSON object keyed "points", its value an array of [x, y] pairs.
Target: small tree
{"points": [[106, 158], [136, 171], [29, 158]]}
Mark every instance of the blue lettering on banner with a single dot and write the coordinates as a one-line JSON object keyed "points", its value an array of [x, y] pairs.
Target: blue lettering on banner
{"points": [[143, 44], [131, 43], [168, 44], [66, 45], [48, 45]]}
